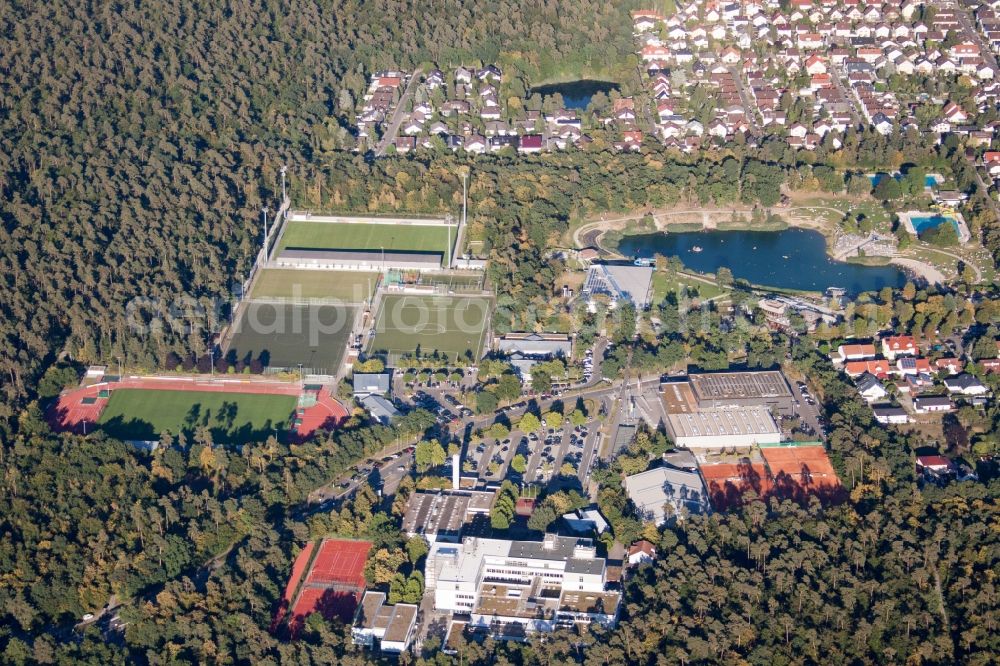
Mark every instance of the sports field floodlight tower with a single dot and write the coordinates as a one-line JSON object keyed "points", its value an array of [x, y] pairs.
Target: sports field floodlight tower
{"points": [[264, 212], [283, 195]]}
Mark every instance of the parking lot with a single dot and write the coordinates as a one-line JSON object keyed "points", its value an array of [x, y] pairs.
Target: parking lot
{"points": [[811, 422]]}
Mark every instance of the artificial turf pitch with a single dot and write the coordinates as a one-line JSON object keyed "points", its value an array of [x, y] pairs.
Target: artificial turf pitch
{"points": [[232, 418], [447, 324], [288, 335], [346, 286], [370, 237]]}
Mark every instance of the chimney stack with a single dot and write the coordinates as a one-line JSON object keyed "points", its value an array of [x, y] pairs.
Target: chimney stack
{"points": [[454, 472]]}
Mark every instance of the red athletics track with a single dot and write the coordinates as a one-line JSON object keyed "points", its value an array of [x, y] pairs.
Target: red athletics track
{"points": [[71, 414]]}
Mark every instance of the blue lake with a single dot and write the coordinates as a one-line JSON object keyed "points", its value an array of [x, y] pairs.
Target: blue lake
{"points": [[576, 94], [789, 259]]}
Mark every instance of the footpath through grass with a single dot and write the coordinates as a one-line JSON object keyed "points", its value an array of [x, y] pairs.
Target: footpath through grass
{"points": [[232, 418]]}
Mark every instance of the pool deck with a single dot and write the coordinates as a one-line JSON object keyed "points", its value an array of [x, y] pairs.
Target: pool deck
{"points": [[963, 229]]}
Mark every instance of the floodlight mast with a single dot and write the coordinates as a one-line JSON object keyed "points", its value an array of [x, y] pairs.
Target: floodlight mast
{"points": [[264, 211]]}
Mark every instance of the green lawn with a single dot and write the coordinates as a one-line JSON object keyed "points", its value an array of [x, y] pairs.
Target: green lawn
{"points": [[664, 283], [233, 418], [350, 236], [347, 286], [450, 325]]}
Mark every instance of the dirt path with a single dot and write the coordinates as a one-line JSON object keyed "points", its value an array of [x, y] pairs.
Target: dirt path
{"points": [[958, 257]]}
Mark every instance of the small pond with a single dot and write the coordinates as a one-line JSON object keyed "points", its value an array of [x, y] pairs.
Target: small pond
{"points": [[576, 94]]}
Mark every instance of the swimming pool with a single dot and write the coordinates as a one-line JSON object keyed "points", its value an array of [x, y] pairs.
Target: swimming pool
{"points": [[876, 178], [922, 223]]}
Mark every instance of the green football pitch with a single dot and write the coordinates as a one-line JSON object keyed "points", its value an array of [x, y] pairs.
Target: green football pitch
{"points": [[289, 335], [452, 325], [346, 286], [371, 237], [232, 418]]}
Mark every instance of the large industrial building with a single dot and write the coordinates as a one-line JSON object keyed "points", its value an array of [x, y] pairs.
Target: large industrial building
{"points": [[653, 490], [723, 428], [743, 389], [511, 588], [621, 283]]}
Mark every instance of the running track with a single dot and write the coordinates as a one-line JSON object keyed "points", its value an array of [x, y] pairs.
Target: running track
{"points": [[71, 414]]}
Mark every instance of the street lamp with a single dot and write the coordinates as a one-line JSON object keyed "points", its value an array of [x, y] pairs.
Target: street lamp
{"points": [[382, 247]]}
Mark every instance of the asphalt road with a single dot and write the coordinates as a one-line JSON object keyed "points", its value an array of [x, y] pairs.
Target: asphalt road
{"points": [[397, 115], [972, 32], [748, 102], [846, 94]]}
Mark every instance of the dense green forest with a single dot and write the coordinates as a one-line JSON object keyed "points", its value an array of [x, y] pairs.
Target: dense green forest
{"points": [[195, 544], [140, 141]]}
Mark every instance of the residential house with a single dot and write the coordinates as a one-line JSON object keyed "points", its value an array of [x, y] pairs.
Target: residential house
{"points": [[855, 352], [641, 552], [899, 345], [889, 414], [928, 404], [965, 384], [870, 388], [952, 365]]}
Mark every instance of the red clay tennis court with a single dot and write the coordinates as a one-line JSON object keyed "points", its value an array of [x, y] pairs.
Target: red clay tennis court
{"points": [[727, 482], [801, 471], [332, 587], [298, 568], [340, 561], [787, 472], [331, 603], [809, 463]]}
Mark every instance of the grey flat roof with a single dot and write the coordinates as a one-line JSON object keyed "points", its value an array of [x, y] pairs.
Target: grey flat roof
{"points": [[365, 382], [740, 385], [536, 345], [652, 489], [594, 566], [434, 513], [621, 281], [755, 420], [400, 624], [561, 550], [368, 609]]}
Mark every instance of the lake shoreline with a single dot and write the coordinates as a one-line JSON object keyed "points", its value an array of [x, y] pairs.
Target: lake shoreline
{"points": [[787, 258], [596, 232]]}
